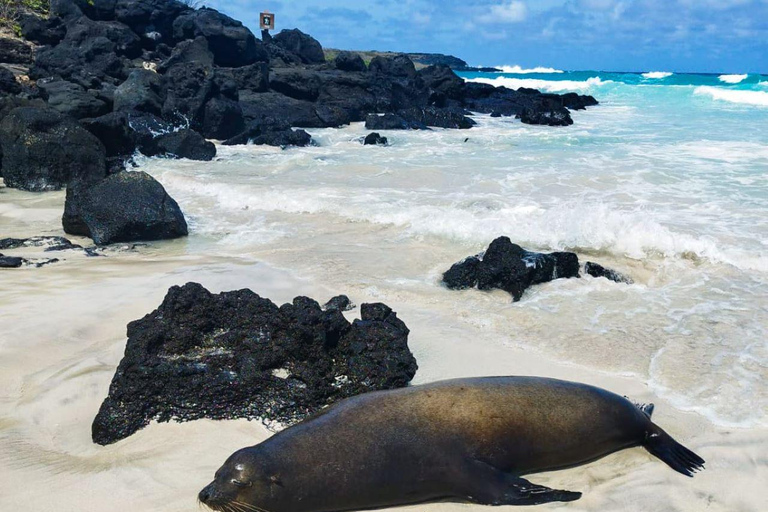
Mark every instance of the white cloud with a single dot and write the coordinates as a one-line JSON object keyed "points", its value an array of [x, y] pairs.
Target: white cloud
{"points": [[513, 11]]}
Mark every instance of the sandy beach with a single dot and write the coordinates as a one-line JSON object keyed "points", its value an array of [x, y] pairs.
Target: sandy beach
{"points": [[64, 333]]}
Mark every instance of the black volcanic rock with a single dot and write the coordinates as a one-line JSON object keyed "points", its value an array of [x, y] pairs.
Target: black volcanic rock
{"points": [[44, 150], [114, 131], [394, 66], [222, 119], [232, 44], [443, 83], [270, 132], [306, 47], [94, 60], [42, 31], [373, 139], [509, 267], [125, 207], [181, 144], [296, 83], [149, 17], [596, 270], [125, 41], [71, 99], [14, 51], [8, 83], [349, 61], [10, 261], [143, 91], [238, 355]]}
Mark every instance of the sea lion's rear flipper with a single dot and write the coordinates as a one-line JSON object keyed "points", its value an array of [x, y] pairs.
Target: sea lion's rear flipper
{"points": [[677, 456], [523, 492]]}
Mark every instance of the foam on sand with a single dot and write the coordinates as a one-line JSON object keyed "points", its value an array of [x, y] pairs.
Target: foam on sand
{"points": [[543, 85], [758, 98], [657, 75], [517, 70], [732, 79]]}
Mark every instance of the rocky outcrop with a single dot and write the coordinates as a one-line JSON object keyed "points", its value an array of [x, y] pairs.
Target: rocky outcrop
{"points": [[125, 207], [509, 267], [270, 132], [238, 355], [306, 47], [232, 44], [45, 150]]}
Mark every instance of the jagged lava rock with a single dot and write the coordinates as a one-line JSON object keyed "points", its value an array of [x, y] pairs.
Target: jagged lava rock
{"points": [[238, 355], [509, 267]]}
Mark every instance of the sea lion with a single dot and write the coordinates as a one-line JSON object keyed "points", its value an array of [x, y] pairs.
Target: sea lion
{"points": [[462, 440]]}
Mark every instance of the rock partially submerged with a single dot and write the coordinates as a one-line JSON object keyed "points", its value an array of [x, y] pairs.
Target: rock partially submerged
{"points": [[596, 270], [238, 355], [124, 207], [375, 139], [509, 267]]}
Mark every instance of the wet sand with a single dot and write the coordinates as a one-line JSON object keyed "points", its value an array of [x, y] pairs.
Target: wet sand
{"points": [[63, 334]]}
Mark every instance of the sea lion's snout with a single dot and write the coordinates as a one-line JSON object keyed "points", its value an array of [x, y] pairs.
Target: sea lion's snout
{"points": [[206, 495]]}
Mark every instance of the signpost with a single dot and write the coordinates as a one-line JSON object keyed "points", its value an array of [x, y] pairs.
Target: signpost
{"points": [[266, 20]]}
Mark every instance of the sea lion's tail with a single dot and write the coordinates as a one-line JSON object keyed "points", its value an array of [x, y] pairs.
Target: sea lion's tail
{"points": [[677, 456]]}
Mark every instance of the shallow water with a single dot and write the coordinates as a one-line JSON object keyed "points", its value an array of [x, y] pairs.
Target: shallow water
{"points": [[663, 181]]}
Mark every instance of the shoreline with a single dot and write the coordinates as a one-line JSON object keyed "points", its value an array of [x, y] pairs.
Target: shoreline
{"points": [[47, 408]]}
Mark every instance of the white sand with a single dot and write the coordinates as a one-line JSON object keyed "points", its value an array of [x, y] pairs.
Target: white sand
{"points": [[63, 334]]}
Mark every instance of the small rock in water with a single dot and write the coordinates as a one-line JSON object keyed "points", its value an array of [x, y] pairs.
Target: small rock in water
{"points": [[509, 267], [375, 138], [596, 270], [10, 261], [238, 355]]}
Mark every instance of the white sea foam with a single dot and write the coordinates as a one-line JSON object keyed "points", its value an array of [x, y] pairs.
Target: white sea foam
{"points": [[759, 98], [732, 79], [525, 71], [573, 224], [544, 85], [656, 75]]}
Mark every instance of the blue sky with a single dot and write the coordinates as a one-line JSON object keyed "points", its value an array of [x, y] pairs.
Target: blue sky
{"points": [[617, 35]]}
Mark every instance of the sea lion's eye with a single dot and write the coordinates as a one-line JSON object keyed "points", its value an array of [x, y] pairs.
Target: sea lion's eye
{"points": [[240, 483]]}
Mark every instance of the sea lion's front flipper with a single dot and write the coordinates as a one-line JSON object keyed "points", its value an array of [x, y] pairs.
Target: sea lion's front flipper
{"points": [[523, 492], [491, 486]]}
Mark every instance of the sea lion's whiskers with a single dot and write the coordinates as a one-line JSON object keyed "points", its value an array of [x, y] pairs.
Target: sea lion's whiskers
{"points": [[248, 506]]}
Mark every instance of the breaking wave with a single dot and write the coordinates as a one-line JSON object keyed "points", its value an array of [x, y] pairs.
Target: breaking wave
{"points": [[657, 75], [517, 70], [543, 85], [759, 98], [732, 79]]}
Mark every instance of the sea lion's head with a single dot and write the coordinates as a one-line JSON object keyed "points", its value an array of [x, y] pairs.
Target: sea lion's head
{"points": [[242, 484]]}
